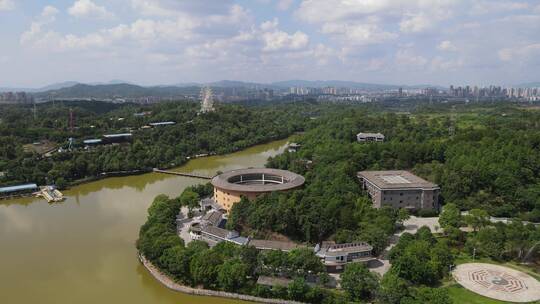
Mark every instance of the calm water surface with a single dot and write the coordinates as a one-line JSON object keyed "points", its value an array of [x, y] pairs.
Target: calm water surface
{"points": [[82, 250]]}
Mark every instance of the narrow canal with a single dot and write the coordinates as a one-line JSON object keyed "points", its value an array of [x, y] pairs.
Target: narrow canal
{"points": [[82, 250]]}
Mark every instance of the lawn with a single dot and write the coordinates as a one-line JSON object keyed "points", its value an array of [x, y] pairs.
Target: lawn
{"points": [[461, 295]]}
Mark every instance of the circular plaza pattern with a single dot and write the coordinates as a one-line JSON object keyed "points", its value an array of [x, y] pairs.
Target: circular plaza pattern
{"points": [[498, 282]]}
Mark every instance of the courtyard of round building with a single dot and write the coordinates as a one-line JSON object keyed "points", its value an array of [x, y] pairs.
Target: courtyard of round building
{"points": [[498, 282]]}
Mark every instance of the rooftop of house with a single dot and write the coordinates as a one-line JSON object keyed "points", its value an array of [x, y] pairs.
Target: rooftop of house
{"points": [[367, 134], [333, 249], [275, 245], [396, 179], [210, 203], [213, 218], [18, 188]]}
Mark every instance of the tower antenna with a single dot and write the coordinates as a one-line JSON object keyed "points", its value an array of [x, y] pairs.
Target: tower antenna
{"points": [[71, 120]]}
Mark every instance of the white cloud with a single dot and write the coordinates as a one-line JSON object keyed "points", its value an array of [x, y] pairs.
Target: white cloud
{"points": [[7, 5], [87, 8], [48, 15], [278, 40], [339, 38], [284, 4], [494, 6], [151, 8], [405, 58], [520, 54], [141, 31], [415, 24], [357, 33], [441, 64], [447, 45], [181, 7], [316, 11], [269, 25]]}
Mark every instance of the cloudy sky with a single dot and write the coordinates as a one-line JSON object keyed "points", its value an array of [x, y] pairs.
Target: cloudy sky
{"points": [[172, 41]]}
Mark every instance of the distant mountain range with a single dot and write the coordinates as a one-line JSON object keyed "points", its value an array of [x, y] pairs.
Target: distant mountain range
{"points": [[123, 89], [120, 90]]}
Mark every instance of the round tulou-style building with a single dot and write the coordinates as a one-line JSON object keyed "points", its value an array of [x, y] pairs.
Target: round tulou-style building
{"points": [[230, 186]]}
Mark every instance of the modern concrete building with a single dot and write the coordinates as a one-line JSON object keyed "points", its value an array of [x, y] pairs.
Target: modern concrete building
{"points": [[399, 189], [230, 186], [369, 137], [336, 256]]}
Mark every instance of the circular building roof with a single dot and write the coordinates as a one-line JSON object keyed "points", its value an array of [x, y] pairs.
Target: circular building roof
{"points": [[258, 180]]}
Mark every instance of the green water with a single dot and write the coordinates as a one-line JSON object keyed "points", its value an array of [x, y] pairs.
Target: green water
{"points": [[82, 250]]}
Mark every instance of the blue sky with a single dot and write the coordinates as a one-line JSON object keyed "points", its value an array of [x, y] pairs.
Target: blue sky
{"points": [[172, 41]]}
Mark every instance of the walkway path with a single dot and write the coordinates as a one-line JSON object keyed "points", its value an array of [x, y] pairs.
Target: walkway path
{"points": [[195, 175], [382, 264]]}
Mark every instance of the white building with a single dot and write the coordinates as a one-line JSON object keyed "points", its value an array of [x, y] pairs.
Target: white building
{"points": [[369, 137]]}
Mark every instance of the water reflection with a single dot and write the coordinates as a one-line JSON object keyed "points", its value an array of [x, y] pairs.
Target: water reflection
{"points": [[82, 250]]}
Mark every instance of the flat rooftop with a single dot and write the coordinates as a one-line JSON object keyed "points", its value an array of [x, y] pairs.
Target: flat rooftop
{"points": [[367, 134], [258, 180], [333, 249], [396, 179], [275, 245], [18, 188]]}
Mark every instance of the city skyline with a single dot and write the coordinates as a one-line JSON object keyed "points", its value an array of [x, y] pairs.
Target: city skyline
{"points": [[152, 42]]}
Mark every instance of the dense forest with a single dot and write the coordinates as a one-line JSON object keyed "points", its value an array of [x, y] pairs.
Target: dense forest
{"points": [[482, 157], [229, 129]]}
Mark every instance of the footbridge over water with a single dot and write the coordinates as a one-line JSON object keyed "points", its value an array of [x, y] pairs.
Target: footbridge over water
{"points": [[194, 175]]}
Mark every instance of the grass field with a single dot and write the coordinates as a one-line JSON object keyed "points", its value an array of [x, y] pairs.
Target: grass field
{"points": [[460, 295]]}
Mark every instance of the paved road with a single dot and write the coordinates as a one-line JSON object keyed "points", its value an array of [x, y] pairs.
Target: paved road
{"points": [[382, 264], [183, 230]]}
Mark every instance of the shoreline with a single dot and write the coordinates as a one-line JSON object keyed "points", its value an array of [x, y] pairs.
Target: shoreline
{"points": [[105, 175], [171, 284]]}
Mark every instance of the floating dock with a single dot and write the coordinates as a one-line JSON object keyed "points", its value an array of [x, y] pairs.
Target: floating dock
{"points": [[51, 194]]}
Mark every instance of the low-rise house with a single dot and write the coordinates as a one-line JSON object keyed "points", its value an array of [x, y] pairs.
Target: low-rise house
{"points": [[214, 235], [162, 123], [369, 137], [336, 256], [210, 230], [294, 147]]}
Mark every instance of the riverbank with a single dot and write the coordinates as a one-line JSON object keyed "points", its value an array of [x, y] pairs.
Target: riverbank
{"points": [[103, 219], [171, 284], [105, 175]]}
